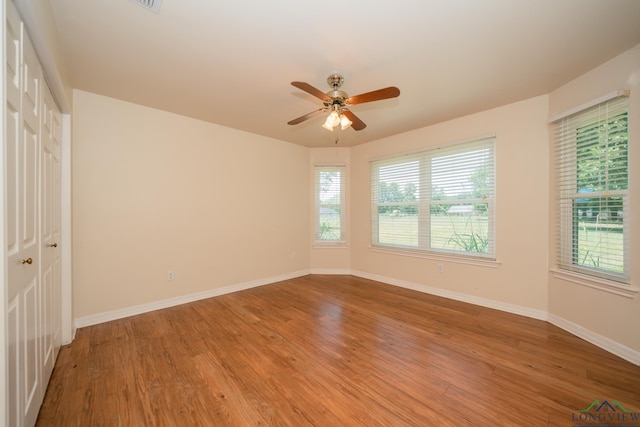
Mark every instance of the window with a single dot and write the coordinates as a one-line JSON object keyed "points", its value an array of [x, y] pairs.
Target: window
{"points": [[592, 182], [440, 200], [330, 204]]}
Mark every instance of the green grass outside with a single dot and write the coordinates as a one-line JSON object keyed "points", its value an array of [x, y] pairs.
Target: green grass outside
{"points": [[447, 232], [591, 242]]}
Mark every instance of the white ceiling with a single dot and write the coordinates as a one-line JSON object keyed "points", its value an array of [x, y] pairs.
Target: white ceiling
{"points": [[232, 62]]}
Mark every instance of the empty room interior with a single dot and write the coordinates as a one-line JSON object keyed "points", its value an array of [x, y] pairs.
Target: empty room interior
{"points": [[424, 213]]}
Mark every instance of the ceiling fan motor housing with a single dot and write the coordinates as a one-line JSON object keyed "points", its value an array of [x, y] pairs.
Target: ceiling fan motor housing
{"points": [[335, 81], [337, 96]]}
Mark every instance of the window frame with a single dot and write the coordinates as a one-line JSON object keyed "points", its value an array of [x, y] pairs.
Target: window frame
{"points": [[319, 205], [423, 246], [568, 144]]}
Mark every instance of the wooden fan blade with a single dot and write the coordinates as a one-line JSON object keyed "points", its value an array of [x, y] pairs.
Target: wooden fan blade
{"points": [[312, 90], [356, 124], [306, 116], [376, 95]]}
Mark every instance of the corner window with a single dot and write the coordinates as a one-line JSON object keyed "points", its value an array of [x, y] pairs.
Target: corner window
{"points": [[592, 180], [437, 201], [329, 206]]}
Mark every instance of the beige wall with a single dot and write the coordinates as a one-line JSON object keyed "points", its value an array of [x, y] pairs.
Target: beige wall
{"points": [[154, 191], [614, 317], [520, 279]]}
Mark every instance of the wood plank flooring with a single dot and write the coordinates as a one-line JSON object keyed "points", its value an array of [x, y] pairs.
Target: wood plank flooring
{"points": [[331, 351]]}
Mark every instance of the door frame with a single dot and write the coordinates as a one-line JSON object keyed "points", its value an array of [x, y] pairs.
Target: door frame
{"points": [[4, 365]]}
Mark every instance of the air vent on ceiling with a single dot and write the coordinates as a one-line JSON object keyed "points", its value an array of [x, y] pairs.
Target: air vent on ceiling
{"points": [[152, 5]]}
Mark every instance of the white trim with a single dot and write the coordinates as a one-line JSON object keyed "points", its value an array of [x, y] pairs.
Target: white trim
{"points": [[320, 244], [596, 283], [458, 259], [67, 331], [331, 271], [483, 302], [605, 343], [171, 302], [589, 104], [4, 281]]}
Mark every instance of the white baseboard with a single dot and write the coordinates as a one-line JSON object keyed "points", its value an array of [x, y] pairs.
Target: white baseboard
{"points": [[604, 343], [334, 271], [171, 302], [483, 302]]}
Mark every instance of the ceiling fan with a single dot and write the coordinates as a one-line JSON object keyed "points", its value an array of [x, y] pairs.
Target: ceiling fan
{"points": [[336, 101]]}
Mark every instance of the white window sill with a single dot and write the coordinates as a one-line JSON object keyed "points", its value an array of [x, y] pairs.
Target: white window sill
{"points": [[459, 259], [330, 245], [597, 283]]}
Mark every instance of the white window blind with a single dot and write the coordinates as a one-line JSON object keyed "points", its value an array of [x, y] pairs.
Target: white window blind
{"points": [[330, 197], [440, 200], [592, 182]]}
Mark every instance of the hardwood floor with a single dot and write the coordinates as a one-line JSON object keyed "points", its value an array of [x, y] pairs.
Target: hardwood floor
{"points": [[331, 351]]}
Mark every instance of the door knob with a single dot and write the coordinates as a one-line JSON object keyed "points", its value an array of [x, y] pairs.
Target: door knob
{"points": [[27, 261], [53, 245]]}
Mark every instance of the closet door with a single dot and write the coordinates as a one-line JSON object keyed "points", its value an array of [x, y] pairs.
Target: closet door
{"points": [[50, 272], [19, 275], [23, 82]]}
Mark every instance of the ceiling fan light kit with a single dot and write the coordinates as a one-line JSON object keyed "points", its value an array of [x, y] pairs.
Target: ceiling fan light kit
{"points": [[336, 101], [336, 118], [345, 122]]}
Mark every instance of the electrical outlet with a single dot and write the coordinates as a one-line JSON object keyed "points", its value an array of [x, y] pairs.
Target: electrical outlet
{"points": [[440, 268], [171, 275]]}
